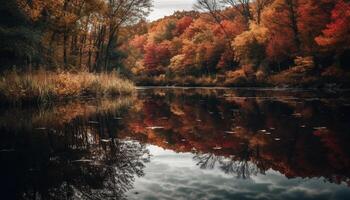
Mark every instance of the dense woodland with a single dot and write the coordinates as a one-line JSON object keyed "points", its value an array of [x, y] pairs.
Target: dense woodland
{"points": [[247, 42], [221, 42], [66, 34]]}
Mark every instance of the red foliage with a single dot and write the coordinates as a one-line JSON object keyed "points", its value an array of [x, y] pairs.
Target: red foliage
{"points": [[313, 16], [156, 55], [150, 59], [337, 33], [231, 28]]}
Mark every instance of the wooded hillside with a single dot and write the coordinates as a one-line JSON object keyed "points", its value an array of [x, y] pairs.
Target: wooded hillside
{"points": [[246, 42]]}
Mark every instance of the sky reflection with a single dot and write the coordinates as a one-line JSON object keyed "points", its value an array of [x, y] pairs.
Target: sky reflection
{"points": [[172, 175]]}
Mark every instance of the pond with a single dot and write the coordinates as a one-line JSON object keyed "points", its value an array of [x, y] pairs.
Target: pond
{"points": [[180, 143]]}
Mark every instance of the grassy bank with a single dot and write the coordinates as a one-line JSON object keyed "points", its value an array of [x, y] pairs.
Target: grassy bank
{"points": [[300, 76], [43, 86]]}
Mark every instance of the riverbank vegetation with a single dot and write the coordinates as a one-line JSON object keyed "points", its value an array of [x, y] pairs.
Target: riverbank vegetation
{"points": [[247, 43], [42, 86], [56, 49]]}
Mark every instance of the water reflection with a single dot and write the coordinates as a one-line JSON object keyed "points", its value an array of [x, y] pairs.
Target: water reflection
{"points": [[96, 149], [68, 152], [301, 134]]}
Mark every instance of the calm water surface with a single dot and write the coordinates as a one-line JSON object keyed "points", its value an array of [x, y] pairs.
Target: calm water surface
{"points": [[182, 143]]}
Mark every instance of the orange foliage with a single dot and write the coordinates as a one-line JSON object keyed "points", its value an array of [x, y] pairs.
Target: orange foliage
{"points": [[278, 32], [139, 42], [183, 24]]}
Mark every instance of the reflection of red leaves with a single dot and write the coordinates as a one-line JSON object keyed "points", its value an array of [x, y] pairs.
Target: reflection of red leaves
{"points": [[335, 153], [299, 153]]}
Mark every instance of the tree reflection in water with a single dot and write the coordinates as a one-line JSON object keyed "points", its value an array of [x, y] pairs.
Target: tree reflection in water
{"points": [[248, 132], [95, 150], [241, 165], [241, 168], [78, 158]]}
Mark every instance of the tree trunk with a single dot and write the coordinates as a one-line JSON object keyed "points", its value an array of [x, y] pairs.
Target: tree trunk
{"points": [[65, 40], [294, 23]]}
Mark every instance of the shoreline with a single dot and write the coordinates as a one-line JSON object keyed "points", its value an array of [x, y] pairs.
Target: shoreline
{"points": [[42, 87]]}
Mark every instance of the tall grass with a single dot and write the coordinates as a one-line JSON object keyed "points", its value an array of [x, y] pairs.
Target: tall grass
{"points": [[43, 86]]}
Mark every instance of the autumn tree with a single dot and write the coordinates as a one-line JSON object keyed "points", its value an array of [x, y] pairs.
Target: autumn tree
{"points": [[336, 35], [120, 13], [258, 7], [250, 46], [243, 7], [313, 16], [157, 57], [281, 19], [182, 24]]}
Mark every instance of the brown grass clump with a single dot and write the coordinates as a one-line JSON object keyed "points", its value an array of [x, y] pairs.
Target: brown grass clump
{"points": [[235, 78], [45, 86], [300, 74]]}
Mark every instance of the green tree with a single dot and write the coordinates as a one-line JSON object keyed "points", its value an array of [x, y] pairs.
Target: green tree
{"points": [[19, 37]]}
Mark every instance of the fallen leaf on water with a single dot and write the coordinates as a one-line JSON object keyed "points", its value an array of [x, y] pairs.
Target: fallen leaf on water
{"points": [[154, 127], [320, 128], [230, 132]]}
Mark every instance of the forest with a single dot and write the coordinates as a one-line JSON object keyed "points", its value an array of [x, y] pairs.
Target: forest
{"points": [[64, 48], [260, 43], [174, 99], [300, 43]]}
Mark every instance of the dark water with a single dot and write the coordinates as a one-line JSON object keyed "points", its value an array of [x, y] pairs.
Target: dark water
{"points": [[180, 144]]}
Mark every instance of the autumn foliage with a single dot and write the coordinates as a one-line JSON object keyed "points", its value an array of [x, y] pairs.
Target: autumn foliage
{"points": [[215, 45], [337, 33], [227, 43]]}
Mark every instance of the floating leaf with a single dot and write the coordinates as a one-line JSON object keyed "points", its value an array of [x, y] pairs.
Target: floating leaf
{"points": [[154, 127]]}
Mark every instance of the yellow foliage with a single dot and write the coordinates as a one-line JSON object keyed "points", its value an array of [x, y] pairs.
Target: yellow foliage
{"points": [[248, 45], [176, 63], [45, 86]]}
